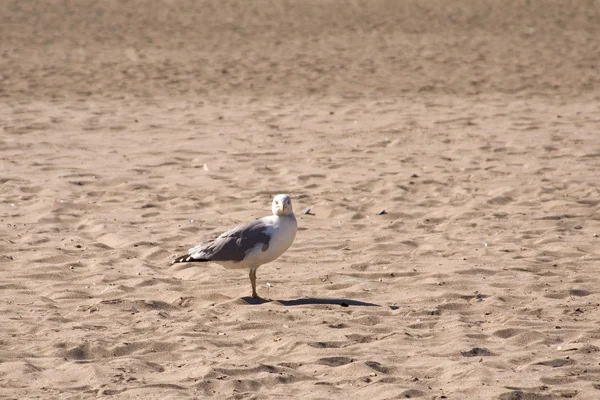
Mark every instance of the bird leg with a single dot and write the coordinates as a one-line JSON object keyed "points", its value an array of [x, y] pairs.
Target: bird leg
{"points": [[253, 282]]}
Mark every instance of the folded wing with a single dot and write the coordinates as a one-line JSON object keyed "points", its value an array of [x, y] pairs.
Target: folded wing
{"points": [[233, 245]]}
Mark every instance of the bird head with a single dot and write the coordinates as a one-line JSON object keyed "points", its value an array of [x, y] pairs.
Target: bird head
{"points": [[282, 205]]}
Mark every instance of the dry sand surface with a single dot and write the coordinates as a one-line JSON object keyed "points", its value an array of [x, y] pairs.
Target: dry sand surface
{"points": [[131, 130]]}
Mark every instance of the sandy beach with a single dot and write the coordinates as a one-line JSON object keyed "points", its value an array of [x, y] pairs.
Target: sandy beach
{"points": [[132, 130]]}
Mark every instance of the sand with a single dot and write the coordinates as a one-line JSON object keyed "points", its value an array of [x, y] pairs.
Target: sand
{"points": [[132, 130]]}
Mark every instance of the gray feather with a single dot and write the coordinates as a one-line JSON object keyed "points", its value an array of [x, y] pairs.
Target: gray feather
{"points": [[234, 244]]}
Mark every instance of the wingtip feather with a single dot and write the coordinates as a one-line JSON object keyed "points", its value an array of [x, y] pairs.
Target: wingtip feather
{"points": [[188, 258], [181, 259]]}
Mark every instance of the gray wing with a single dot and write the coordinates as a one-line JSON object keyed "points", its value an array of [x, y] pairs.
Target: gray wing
{"points": [[235, 243]]}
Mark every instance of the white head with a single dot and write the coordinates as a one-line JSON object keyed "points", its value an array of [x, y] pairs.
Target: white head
{"points": [[282, 205]]}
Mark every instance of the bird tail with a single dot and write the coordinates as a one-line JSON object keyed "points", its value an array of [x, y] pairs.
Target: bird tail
{"points": [[188, 258]]}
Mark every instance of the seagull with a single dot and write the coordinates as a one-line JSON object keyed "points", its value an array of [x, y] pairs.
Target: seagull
{"points": [[252, 244]]}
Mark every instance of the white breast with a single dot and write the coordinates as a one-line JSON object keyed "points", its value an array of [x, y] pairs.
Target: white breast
{"points": [[282, 232]]}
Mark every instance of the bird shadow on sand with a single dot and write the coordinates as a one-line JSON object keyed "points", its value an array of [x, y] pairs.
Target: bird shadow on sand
{"points": [[311, 301]]}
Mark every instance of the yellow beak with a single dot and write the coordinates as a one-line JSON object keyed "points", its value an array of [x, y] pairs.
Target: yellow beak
{"points": [[281, 207]]}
